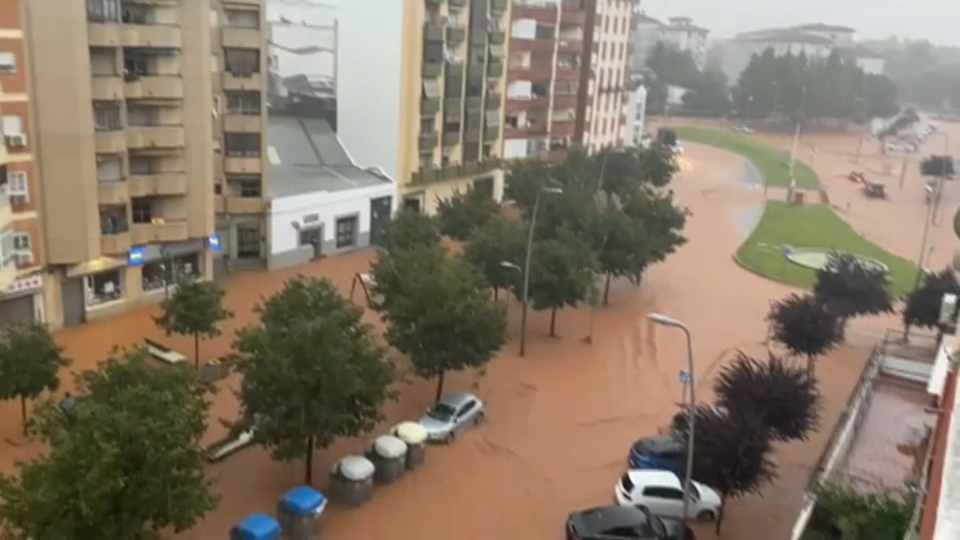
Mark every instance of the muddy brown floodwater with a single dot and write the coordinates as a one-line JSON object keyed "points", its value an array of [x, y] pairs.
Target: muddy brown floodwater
{"points": [[559, 421]]}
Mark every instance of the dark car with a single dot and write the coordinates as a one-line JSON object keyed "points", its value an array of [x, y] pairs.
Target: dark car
{"points": [[663, 453], [616, 522]]}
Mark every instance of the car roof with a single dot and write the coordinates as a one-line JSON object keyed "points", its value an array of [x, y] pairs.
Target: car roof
{"points": [[652, 477], [602, 518], [658, 445], [455, 400]]}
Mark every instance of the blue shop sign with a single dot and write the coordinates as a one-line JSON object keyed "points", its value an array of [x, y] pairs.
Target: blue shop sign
{"points": [[135, 257], [213, 242]]}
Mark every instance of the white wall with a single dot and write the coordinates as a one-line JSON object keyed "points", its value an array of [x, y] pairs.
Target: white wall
{"points": [[523, 29], [636, 111], [609, 70], [285, 211], [514, 148], [520, 90]]}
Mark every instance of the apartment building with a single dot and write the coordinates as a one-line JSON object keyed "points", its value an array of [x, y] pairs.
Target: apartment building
{"points": [[125, 145], [21, 237], [686, 36], [603, 110]]}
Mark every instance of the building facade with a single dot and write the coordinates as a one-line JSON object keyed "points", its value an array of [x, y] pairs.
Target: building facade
{"points": [[606, 79], [635, 117], [688, 37], [644, 36], [136, 157]]}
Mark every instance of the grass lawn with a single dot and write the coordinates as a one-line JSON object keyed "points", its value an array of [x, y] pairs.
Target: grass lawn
{"points": [[769, 160], [811, 226]]}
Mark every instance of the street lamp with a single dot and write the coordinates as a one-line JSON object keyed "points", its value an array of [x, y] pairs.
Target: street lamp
{"points": [[796, 135], [595, 299], [932, 210], [669, 322], [550, 190]]}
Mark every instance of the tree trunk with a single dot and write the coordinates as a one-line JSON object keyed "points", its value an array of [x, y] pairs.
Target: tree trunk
{"points": [[308, 462], [196, 351], [23, 414], [811, 369], [553, 322], [606, 291], [439, 386], [496, 293], [723, 507]]}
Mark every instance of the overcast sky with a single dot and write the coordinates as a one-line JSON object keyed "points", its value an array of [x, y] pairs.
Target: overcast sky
{"points": [[936, 20]]}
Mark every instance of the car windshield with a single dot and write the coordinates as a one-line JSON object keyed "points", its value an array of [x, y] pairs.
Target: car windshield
{"points": [[441, 411]]}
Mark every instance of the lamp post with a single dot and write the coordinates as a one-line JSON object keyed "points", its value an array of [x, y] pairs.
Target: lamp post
{"points": [[663, 320], [595, 294], [931, 212], [938, 194], [551, 190], [796, 134]]}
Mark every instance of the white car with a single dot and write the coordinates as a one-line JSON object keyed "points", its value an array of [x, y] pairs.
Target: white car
{"points": [[677, 148], [660, 492]]}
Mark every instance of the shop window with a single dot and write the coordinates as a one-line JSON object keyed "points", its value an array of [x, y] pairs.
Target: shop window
{"points": [[346, 232], [103, 287], [248, 242]]}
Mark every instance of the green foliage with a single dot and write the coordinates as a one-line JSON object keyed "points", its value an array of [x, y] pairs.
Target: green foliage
{"points": [[127, 466], [805, 326], [502, 239], [873, 515], [923, 73], [30, 362], [409, 229], [708, 95], [662, 220], [524, 181], [437, 311], [195, 309], [922, 306], [463, 213], [801, 87], [852, 287], [312, 371], [626, 249], [672, 66]]}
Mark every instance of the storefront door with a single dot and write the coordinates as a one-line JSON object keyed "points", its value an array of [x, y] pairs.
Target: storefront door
{"points": [[313, 237], [379, 216]]}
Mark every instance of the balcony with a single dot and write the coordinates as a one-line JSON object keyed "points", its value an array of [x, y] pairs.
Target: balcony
{"points": [[110, 142], [497, 38], [428, 141], [242, 123], [456, 34], [453, 104], [454, 172], [495, 68], [242, 165], [491, 133], [564, 101], [115, 244], [433, 31], [147, 137], [539, 11], [107, 88], [562, 127], [568, 73], [154, 87], [457, 5], [110, 193], [159, 231], [545, 45], [159, 184], [165, 36], [239, 205], [232, 81], [432, 70], [537, 73], [451, 139], [514, 105], [493, 101], [499, 6], [103, 34], [429, 106], [242, 38]]}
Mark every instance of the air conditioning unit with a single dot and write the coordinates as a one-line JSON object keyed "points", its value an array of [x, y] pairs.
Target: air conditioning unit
{"points": [[24, 258], [18, 140]]}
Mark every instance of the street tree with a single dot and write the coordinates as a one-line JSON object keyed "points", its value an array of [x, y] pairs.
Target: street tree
{"points": [[312, 372], [851, 286], [408, 229], [464, 212], [783, 393], [733, 453], [673, 66], [502, 239], [922, 306], [30, 364], [805, 326], [657, 164], [661, 218], [195, 309], [443, 320], [127, 466], [708, 95], [561, 274], [625, 248], [523, 182]]}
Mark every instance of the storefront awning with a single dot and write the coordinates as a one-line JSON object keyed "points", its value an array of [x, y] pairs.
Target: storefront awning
{"points": [[94, 266]]}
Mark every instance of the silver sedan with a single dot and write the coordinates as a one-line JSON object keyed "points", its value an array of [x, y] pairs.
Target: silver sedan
{"points": [[450, 415]]}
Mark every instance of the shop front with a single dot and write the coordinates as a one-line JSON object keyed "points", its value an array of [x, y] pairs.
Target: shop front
{"points": [[161, 267], [22, 301]]}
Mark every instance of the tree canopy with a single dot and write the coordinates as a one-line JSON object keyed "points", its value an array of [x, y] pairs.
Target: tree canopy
{"points": [[30, 364], [626, 249], [924, 73], [502, 239], [195, 309], [312, 372], [673, 66], [783, 394], [851, 286], [464, 212], [409, 229], [437, 312], [708, 94], [805, 326], [922, 306], [128, 465]]}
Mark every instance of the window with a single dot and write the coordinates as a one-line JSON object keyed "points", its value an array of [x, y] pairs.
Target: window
{"points": [[242, 62], [139, 115], [467, 407], [103, 10], [431, 89], [8, 62], [245, 187], [247, 103], [12, 125], [113, 220], [238, 18], [21, 249], [143, 165], [242, 144], [103, 287], [106, 117], [110, 170], [18, 187], [346, 232], [621, 532], [142, 211], [663, 493], [248, 241]]}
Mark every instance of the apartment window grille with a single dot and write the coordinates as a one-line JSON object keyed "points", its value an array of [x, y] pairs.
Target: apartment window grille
{"points": [[242, 144], [346, 232], [242, 62], [8, 62], [106, 117], [103, 10], [142, 211], [21, 249], [246, 103], [18, 187], [248, 242], [239, 18], [245, 187], [6, 247]]}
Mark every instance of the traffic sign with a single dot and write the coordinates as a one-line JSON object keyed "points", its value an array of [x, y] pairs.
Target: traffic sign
{"points": [[684, 377]]}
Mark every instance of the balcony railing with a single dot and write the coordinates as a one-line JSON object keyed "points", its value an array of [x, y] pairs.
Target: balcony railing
{"points": [[168, 183], [242, 123], [113, 193], [495, 68], [239, 205], [166, 36], [146, 137], [493, 101], [159, 231], [107, 87], [242, 165], [491, 133], [242, 38], [451, 138], [115, 244], [453, 104], [153, 87], [497, 38], [110, 142], [454, 172], [429, 106], [236, 81], [432, 70], [103, 34], [428, 141], [499, 6], [456, 34], [433, 31]]}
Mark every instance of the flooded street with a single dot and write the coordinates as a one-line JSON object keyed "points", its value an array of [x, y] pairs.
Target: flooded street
{"points": [[559, 422]]}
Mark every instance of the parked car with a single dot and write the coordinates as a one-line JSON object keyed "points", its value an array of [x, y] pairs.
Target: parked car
{"points": [[663, 453], [451, 415], [619, 523], [677, 148], [661, 493]]}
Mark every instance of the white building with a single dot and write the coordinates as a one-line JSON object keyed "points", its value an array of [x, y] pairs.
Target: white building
{"points": [[606, 90], [688, 37], [636, 115], [644, 36]]}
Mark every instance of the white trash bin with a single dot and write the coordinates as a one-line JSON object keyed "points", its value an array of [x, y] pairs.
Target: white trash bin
{"points": [[389, 457], [415, 436], [351, 481]]}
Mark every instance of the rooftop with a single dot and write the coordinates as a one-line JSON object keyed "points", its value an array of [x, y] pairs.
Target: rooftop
{"points": [[305, 156], [794, 34]]}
